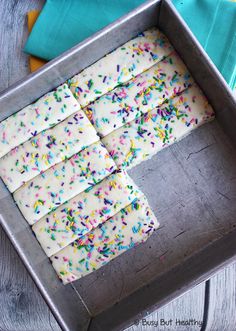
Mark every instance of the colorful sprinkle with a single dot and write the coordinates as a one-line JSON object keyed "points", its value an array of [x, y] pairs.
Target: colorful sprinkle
{"points": [[121, 232]]}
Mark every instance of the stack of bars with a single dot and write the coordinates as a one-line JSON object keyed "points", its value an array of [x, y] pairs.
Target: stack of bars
{"points": [[65, 157]]}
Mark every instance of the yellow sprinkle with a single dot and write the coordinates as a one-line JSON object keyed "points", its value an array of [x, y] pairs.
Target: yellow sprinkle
{"points": [[113, 184], [161, 133], [74, 84], [125, 71], [129, 208], [129, 154], [37, 203]]}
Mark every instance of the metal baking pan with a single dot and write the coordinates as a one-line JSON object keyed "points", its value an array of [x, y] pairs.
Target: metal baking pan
{"points": [[191, 187]]}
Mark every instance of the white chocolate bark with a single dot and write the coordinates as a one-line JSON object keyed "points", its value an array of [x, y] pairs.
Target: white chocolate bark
{"points": [[119, 66], [126, 229], [49, 110], [140, 95], [47, 149], [85, 212], [64, 181], [148, 134]]}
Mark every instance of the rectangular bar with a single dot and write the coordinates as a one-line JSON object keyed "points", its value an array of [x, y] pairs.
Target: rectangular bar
{"points": [[140, 95], [47, 149], [85, 212], [64, 181], [131, 226], [143, 137], [120, 66], [50, 109]]}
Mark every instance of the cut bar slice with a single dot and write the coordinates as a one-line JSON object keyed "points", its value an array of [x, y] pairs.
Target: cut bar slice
{"points": [[142, 94], [49, 110], [148, 134], [47, 149], [64, 181], [85, 212], [120, 66], [126, 229]]}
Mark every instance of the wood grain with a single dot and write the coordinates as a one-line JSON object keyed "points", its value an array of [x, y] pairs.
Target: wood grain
{"points": [[22, 307], [222, 301], [187, 307]]}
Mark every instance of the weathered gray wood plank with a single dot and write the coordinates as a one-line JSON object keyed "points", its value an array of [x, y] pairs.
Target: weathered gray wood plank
{"points": [[222, 301], [188, 307], [22, 307]]}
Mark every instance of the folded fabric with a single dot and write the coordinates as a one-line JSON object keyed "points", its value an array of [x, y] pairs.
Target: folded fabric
{"points": [[214, 24], [34, 62], [62, 24]]}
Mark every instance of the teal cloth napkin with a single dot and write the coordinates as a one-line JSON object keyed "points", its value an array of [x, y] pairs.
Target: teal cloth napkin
{"points": [[214, 24], [64, 23]]}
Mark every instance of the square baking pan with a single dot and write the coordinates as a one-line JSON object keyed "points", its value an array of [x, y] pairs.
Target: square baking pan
{"points": [[191, 187]]}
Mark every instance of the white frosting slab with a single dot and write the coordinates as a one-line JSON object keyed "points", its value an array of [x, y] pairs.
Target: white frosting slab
{"points": [[47, 149], [143, 137], [64, 181], [140, 95], [120, 66], [126, 229], [47, 111], [85, 212]]}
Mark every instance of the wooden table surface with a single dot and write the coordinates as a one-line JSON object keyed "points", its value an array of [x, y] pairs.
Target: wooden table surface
{"points": [[22, 307]]}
